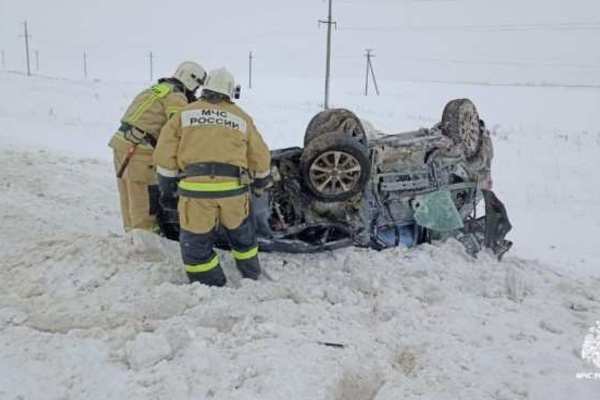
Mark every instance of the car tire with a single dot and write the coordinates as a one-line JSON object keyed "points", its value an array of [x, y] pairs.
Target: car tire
{"points": [[335, 167], [337, 120], [461, 123]]}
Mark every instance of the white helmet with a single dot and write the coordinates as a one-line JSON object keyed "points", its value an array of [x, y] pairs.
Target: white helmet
{"points": [[221, 81], [191, 74]]}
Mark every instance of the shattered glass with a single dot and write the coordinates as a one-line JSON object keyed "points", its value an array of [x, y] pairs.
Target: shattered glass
{"points": [[436, 211]]}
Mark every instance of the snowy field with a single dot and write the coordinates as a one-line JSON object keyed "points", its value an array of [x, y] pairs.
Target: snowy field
{"points": [[86, 313]]}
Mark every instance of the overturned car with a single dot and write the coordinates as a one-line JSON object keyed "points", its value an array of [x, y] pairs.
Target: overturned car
{"points": [[350, 187]]}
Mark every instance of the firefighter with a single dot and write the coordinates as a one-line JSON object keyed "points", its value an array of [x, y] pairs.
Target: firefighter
{"points": [[133, 144], [208, 155]]}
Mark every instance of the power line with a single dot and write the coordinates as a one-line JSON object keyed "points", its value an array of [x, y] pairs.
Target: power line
{"points": [[502, 63], [562, 26], [547, 85], [329, 22], [507, 63]]}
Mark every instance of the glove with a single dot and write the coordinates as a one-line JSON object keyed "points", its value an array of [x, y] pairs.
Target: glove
{"points": [[261, 184], [168, 192]]}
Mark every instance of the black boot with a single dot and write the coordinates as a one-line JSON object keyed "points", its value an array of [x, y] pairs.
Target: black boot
{"points": [[250, 268], [214, 277]]}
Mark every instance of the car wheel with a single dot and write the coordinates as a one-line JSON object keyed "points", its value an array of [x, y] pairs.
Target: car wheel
{"points": [[335, 167], [337, 120], [460, 122]]}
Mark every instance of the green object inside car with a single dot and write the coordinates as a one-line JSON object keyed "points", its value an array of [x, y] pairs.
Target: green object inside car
{"points": [[436, 211]]}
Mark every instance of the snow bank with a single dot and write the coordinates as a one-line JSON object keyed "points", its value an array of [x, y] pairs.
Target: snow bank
{"points": [[86, 314]]}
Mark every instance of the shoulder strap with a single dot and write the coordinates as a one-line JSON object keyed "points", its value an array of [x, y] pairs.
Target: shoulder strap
{"points": [[158, 91]]}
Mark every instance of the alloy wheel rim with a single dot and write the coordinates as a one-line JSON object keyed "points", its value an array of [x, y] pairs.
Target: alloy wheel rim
{"points": [[335, 172]]}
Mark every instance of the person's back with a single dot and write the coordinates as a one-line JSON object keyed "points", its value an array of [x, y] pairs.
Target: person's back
{"points": [[133, 144], [215, 148], [216, 131]]}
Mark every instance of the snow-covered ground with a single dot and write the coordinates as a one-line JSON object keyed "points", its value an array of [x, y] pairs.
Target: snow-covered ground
{"points": [[87, 313], [546, 139]]}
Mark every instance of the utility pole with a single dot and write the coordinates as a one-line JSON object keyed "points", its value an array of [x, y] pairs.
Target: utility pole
{"points": [[373, 76], [85, 72], [3, 59], [250, 58], [329, 22], [151, 57], [369, 55], [37, 60], [26, 35]]}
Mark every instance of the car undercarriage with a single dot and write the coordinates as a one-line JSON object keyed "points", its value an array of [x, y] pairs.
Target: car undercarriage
{"points": [[352, 187], [347, 187]]}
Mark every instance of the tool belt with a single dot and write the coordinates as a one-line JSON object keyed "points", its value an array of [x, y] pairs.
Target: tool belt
{"points": [[136, 136]]}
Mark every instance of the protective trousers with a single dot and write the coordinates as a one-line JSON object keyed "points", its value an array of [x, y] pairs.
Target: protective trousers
{"points": [[138, 190], [199, 219]]}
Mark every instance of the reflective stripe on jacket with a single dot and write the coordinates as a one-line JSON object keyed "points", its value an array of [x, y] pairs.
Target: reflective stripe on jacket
{"points": [[152, 108]]}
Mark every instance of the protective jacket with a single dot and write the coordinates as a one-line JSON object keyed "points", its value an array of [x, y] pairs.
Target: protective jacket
{"points": [[148, 113], [140, 127], [205, 132]]}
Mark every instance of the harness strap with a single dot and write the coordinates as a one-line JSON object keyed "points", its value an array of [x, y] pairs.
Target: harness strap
{"points": [[195, 194], [212, 169], [129, 135]]}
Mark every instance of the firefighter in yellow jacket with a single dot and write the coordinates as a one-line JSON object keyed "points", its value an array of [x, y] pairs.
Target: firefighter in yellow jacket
{"points": [[133, 144], [210, 153]]}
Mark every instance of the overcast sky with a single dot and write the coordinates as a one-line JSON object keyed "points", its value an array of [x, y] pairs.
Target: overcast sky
{"points": [[505, 40]]}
